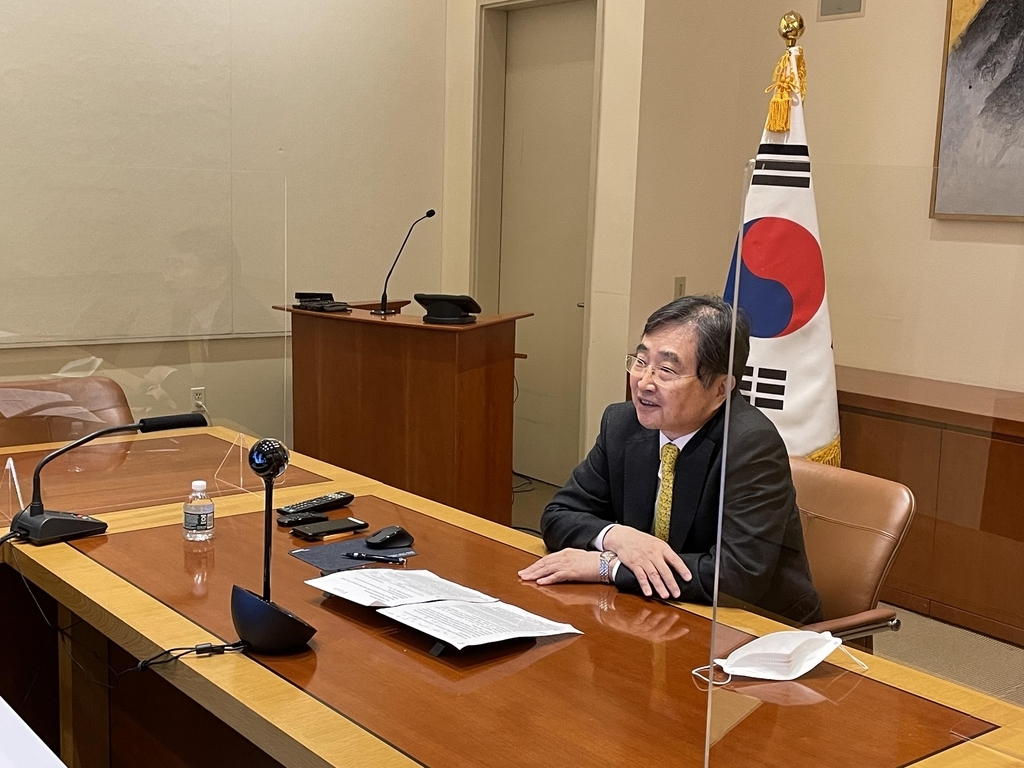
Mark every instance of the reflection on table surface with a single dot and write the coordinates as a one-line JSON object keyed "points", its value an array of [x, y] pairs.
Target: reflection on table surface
{"points": [[622, 689]]}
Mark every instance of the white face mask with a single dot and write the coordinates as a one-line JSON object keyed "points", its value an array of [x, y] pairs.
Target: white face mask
{"points": [[780, 655]]}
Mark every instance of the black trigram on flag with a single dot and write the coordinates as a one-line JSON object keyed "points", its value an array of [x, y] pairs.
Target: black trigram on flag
{"points": [[764, 387], [782, 165]]}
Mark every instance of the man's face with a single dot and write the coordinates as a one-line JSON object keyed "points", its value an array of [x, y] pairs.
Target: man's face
{"points": [[680, 406]]}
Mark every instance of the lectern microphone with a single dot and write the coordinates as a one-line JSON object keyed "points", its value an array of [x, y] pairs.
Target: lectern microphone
{"points": [[383, 310], [39, 525]]}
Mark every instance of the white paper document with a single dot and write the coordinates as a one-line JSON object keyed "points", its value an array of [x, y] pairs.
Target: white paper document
{"points": [[386, 588], [461, 624]]}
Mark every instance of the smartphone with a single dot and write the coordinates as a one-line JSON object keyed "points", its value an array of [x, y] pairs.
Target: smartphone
{"points": [[301, 518], [316, 531]]}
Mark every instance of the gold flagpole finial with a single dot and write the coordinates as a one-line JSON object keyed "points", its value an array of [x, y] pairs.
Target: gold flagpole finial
{"points": [[791, 27], [790, 75]]}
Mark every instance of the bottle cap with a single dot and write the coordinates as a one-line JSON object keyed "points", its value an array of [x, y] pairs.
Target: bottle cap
{"points": [[199, 486]]}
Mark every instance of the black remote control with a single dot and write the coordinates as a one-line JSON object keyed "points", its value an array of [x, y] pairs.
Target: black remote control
{"points": [[335, 500], [301, 518]]}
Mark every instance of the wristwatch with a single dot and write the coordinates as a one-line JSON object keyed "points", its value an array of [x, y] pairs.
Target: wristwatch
{"points": [[604, 568]]}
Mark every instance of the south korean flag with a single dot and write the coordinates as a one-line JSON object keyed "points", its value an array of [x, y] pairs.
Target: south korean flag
{"points": [[790, 374]]}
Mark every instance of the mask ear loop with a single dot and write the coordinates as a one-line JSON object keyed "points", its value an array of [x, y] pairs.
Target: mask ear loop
{"points": [[845, 650], [709, 679]]}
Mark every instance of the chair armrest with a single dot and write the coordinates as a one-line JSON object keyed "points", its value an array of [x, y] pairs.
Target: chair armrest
{"points": [[859, 624]]}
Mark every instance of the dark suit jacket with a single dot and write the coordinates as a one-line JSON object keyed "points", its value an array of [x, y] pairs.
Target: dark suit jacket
{"points": [[763, 563]]}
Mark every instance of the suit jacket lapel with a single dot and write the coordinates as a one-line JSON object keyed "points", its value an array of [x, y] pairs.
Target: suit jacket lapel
{"points": [[692, 479], [641, 481]]}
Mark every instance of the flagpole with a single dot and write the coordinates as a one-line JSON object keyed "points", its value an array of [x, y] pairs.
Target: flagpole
{"points": [[789, 74], [748, 174], [791, 26]]}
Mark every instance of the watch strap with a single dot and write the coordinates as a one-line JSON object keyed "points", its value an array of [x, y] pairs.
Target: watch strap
{"points": [[604, 567]]}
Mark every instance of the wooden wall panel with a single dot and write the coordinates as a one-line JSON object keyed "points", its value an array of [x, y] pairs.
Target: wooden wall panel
{"points": [[963, 474], [902, 451], [963, 559], [980, 484], [913, 568], [906, 453], [909, 600], [153, 724], [1001, 511], [84, 694], [1009, 632], [981, 573], [30, 686]]}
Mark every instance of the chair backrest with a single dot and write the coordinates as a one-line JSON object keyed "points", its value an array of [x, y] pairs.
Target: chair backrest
{"points": [[853, 526], [60, 409]]}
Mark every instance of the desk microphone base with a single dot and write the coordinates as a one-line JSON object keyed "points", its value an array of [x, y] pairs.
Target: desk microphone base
{"points": [[48, 527], [266, 627]]}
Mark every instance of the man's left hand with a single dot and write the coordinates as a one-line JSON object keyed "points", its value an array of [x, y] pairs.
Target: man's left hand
{"points": [[564, 565]]}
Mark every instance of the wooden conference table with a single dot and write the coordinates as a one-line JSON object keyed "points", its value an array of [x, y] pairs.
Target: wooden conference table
{"points": [[369, 693]]}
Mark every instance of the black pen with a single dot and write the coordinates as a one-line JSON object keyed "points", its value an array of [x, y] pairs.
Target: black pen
{"points": [[376, 558]]}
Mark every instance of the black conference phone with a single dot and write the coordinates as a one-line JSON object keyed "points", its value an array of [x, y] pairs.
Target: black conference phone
{"points": [[319, 302]]}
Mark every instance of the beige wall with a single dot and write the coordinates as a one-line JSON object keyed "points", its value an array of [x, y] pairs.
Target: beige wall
{"points": [[691, 150], [616, 133], [347, 99], [937, 299], [366, 110], [194, 112], [619, 54]]}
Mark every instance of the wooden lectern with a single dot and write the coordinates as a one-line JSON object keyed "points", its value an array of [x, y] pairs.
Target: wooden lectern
{"points": [[426, 408]]}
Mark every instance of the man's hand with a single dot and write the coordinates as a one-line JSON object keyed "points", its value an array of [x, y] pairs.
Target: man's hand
{"points": [[661, 625], [649, 558], [564, 565]]}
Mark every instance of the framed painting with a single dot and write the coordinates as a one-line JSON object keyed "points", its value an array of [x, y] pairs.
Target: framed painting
{"points": [[979, 143]]}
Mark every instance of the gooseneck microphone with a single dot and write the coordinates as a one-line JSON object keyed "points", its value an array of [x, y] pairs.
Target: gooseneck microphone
{"points": [[268, 459], [264, 626], [39, 525], [384, 296]]}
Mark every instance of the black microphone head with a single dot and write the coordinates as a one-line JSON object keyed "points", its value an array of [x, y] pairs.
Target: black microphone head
{"points": [[268, 458], [430, 213]]}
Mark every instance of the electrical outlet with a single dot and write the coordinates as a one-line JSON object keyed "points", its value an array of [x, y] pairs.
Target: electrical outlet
{"points": [[198, 398], [680, 287]]}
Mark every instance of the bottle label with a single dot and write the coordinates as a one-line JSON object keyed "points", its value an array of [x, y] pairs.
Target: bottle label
{"points": [[198, 521]]}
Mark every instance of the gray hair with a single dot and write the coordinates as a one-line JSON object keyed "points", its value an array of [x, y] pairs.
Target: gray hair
{"points": [[711, 319]]}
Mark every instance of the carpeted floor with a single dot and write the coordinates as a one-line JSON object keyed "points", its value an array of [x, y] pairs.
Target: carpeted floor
{"points": [[531, 496], [956, 654]]}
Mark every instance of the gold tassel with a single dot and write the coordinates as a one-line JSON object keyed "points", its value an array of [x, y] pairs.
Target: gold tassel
{"points": [[830, 454], [778, 111], [784, 82]]}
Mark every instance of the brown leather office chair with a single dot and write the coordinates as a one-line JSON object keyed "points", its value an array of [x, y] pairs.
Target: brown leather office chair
{"points": [[853, 527], [60, 409]]}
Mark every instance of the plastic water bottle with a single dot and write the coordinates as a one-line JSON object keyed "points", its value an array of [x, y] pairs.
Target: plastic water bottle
{"points": [[198, 522]]}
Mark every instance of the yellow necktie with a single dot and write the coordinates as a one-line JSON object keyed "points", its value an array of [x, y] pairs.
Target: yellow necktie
{"points": [[663, 512]]}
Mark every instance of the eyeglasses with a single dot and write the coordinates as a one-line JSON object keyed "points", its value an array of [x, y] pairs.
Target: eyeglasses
{"points": [[637, 366]]}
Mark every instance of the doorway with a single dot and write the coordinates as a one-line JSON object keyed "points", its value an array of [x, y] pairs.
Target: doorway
{"points": [[540, 220]]}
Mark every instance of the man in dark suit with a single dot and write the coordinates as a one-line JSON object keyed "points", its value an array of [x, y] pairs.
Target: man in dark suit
{"points": [[641, 511]]}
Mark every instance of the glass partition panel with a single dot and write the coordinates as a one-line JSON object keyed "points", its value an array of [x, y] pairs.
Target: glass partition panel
{"points": [[869, 567], [134, 293]]}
